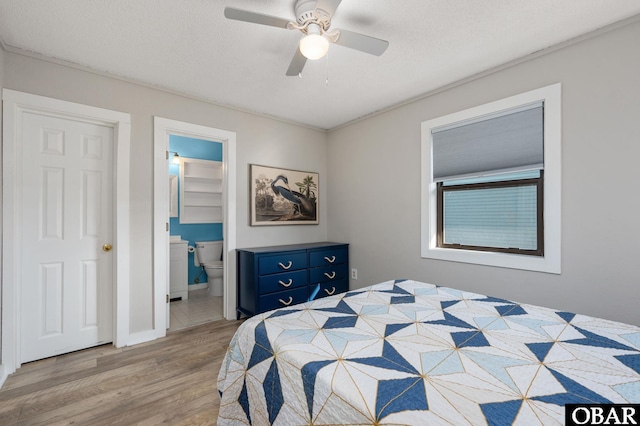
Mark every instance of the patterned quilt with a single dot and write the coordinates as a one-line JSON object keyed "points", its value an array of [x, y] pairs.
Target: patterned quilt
{"points": [[410, 353]]}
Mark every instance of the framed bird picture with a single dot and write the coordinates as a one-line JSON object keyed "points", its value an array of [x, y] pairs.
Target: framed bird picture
{"points": [[283, 196]]}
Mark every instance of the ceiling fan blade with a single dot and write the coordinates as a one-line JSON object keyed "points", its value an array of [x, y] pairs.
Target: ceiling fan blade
{"points": [[297, 63], [255, 18], [328, 6], [361, 42]]}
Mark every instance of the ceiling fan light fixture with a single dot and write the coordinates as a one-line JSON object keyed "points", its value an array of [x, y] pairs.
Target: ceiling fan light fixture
{"points": [[314, 45], [313, 19]]}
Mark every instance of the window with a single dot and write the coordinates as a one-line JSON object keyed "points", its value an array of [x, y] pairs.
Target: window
{"points": [[502, 215], [491, 183]]}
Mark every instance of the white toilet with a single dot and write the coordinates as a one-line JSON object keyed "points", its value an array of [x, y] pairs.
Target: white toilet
{"points": [[209, 254]]}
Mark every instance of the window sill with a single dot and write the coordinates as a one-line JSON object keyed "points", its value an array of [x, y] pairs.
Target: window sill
{"points": [[548, 263]]}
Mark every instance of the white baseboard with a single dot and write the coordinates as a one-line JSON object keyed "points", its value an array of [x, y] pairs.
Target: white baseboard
{"points": [[198, 286], [3, 375]]}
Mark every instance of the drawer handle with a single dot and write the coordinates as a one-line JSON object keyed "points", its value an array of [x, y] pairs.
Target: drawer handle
{"points": [[287, 266], [287, 303], [331, 275], [282, 283], [330, 259], [330, 293]]}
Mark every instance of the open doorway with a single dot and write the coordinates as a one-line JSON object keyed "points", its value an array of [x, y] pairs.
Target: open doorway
{"points": [[196, 223], [188, 140]]}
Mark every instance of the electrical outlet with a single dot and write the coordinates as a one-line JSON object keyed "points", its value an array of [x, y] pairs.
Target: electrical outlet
{"points": [[354, 273]]}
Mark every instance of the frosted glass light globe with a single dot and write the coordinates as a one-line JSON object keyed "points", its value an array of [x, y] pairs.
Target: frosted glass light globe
{"points": [[314, 46]]}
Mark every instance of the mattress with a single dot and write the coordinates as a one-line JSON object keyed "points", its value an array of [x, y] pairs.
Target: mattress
{"points": [[410, 353]]}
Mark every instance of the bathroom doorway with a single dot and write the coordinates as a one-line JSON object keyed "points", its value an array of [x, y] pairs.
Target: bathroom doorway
{"points": [[187, 142], [195, 231]]}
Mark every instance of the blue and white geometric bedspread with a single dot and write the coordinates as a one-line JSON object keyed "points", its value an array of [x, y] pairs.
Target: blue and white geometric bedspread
{"points": [[410, 353]]}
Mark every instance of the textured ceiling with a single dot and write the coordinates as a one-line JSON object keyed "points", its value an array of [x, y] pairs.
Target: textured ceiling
{"points": [[189, 47]]}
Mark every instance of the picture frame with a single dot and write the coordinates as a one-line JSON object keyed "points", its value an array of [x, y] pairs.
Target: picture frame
{"points": [[283, 196]]}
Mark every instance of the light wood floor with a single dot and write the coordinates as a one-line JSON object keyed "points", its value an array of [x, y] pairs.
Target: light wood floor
{"points": [[168, 381]]}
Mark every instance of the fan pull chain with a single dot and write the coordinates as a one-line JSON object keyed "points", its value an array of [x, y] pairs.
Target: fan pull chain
{"points": [[326, 81]]}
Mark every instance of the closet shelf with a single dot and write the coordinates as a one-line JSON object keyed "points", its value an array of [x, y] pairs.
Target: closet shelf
{"points": [[202, 178], [204, 204], [200, 191], [203, 191]]}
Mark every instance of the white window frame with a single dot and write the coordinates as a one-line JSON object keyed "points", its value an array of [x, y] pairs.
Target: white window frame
{"points": [[551, 261]]}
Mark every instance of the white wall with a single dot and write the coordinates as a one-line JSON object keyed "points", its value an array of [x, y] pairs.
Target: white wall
{"points": [[1, 70], [259, 140], [1, 86], [374, 187]]}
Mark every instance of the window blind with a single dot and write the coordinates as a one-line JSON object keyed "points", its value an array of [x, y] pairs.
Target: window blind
{"points": [[511, 140], [497, 217]]}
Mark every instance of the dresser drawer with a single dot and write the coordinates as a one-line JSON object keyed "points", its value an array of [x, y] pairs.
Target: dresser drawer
{"points": [[281, 262], [283, 281], [328, 273], [331, 288], [331, 256], [283, 298]]}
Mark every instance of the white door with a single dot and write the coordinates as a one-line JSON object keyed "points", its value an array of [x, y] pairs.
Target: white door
{"points": [[66, 231]]}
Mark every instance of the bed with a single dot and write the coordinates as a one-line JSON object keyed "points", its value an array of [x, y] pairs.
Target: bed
{"points": [[409, 353]]}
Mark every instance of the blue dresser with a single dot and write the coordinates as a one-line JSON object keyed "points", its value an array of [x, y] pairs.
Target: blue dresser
{"points": [[277, 276]]}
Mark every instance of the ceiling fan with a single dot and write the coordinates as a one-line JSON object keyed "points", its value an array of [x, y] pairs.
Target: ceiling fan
{"points": [[313, 18]]}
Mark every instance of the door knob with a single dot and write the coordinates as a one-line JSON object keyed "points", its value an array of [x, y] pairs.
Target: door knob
{"points": [[107, 247]]}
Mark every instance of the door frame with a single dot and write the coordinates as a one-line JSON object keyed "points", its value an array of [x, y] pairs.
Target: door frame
{"points": [[15, 104], [162, 129]]}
